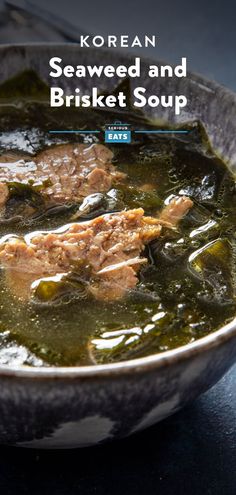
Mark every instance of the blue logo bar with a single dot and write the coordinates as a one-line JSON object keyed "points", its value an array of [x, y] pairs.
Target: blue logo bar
{"points": [[118, 136]]}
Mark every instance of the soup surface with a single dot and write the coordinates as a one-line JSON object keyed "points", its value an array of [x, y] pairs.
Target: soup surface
{"points": [[175, 286]]}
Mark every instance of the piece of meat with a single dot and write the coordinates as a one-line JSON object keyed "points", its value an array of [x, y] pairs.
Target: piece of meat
{"points": [[4, 193], [112, 286], [103, 241], [176, 210], [67, 172], [110, 244], [112, 236]]}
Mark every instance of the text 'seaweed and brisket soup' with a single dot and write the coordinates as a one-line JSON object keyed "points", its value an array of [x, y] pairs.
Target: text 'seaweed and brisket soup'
{"points": [[108, 253]]}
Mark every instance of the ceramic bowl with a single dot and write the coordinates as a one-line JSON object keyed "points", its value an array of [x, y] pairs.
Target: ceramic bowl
{"points": [[76, 407]]}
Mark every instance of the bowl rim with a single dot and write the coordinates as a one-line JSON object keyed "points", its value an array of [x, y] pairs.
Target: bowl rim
{"points": [[138, 365]]}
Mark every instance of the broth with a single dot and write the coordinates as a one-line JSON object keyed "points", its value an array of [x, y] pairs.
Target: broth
{"points": [[187, 288]]}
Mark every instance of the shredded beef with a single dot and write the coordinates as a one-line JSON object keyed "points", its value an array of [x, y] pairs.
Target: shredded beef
{"points": [[110, 245], [67, 172]]}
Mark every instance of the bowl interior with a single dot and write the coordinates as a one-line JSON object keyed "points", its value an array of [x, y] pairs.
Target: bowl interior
{"points": [[208, 102]]}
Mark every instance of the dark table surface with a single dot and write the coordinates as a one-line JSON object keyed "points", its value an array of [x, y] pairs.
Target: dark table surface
{"points": [[193, 452]]}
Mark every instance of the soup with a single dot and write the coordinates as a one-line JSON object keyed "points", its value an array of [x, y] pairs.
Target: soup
{"points": [[108, 253]]}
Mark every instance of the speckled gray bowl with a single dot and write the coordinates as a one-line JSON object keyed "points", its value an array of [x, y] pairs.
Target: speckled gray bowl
{"points": [[75, 407]]}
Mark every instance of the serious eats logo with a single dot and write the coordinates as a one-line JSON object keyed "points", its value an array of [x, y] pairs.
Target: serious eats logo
{"points": [[118, 133]]}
